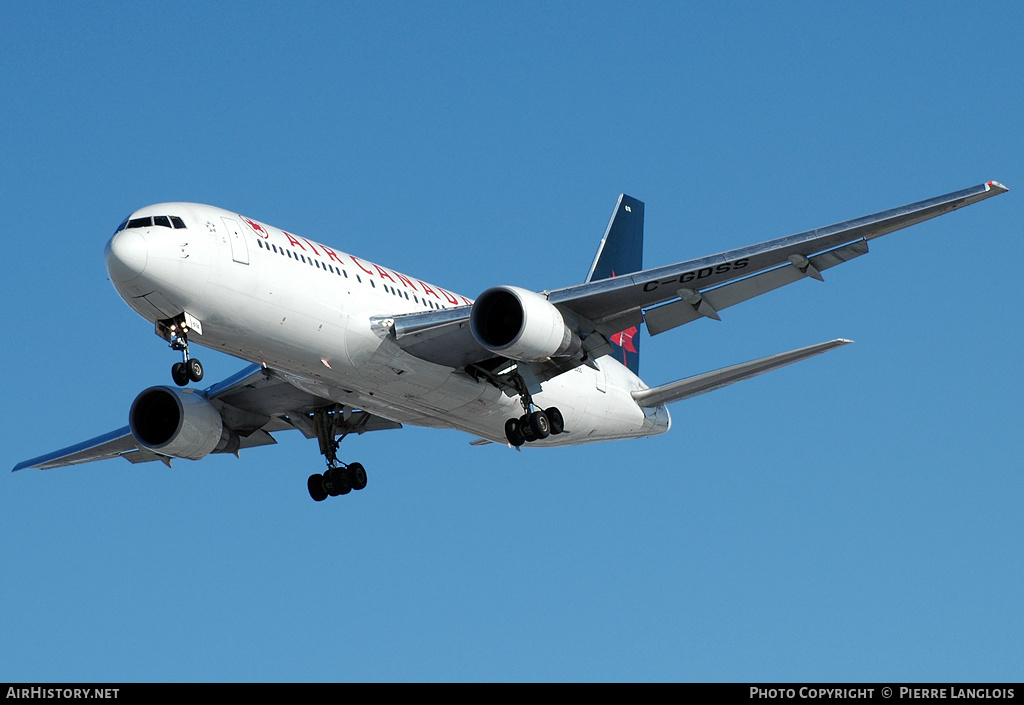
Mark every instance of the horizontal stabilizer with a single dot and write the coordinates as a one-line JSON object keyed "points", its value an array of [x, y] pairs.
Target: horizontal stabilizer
{"points": [[710, 381]]}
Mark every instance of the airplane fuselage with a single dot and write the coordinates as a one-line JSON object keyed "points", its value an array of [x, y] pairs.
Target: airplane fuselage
{"points": [[311, 313]]}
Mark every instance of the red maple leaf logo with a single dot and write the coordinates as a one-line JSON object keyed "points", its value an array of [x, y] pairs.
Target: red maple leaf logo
{"points": [[256, 227]]}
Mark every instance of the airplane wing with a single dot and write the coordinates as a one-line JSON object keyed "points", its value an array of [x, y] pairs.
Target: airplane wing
{"points": [[254, 403], [670, 296]]}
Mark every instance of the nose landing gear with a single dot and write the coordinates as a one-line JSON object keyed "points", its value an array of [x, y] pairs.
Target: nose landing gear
{"points": [[175, 332]]}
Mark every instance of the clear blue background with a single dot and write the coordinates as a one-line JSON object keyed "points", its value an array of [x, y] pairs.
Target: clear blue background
{"points": [[854, 517]]}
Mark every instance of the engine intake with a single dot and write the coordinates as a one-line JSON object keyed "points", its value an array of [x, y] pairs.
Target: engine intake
{"points": [[179, 423], [521, 325]]}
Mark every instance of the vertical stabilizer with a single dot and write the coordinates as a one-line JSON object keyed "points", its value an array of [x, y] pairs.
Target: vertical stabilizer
{"points": [[622, 252]]}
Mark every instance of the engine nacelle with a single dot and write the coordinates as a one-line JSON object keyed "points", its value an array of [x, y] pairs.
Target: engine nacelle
{"points": [[178, 423], [521, 325]]}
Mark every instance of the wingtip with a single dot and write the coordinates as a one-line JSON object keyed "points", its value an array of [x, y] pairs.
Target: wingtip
{"points": [[996, 186]]}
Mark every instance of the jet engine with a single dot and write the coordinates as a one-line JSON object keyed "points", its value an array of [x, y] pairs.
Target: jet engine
{"points": [[521, 325], [179, 423]]}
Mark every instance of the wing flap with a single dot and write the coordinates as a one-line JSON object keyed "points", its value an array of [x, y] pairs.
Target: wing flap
{"points": [[707, 303], [710, 381]]}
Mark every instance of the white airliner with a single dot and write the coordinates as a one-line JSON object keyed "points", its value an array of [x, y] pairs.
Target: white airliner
{"points": [[342, 345]]}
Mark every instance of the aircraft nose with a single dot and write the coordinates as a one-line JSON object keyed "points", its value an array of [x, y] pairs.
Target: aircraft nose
{"points": [[126, 256]]}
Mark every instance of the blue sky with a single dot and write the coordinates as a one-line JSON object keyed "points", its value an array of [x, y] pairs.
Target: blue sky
{"points": [[855, 517]]}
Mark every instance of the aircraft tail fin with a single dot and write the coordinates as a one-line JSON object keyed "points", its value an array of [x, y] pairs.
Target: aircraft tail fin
{"points": [[622, 248], [622, 252], [709, 381]]}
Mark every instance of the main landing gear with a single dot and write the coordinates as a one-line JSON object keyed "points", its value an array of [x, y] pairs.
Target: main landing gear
{"points": [[339, 478], [175, 332], [536, 424]]}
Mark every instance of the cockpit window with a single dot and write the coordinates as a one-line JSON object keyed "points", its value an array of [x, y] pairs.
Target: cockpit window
{"points": [[122, 226], [163, 221]]}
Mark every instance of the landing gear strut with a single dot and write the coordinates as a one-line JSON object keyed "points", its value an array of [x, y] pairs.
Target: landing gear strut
{"points": [[534, 425], [339, 478], [175, 332]]}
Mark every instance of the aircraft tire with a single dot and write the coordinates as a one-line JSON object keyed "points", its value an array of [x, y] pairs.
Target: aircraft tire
{"points": [[357, 474], [194, 369], [337, 481], [315, 485], [540, 424], [513, 434], [557, 422], [526, 430], [179, 374]]}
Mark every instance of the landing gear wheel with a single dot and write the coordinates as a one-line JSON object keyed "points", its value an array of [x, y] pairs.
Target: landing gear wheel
{"points": [[194, 368], [315, 485], [337, 481], [557, 422], [526, 429], [513, 434], [357, 475], [339, 478], [540, 425], [179, 374]]}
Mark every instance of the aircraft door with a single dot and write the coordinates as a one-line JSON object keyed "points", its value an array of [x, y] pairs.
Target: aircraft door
{"points": [[239, 250]]}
